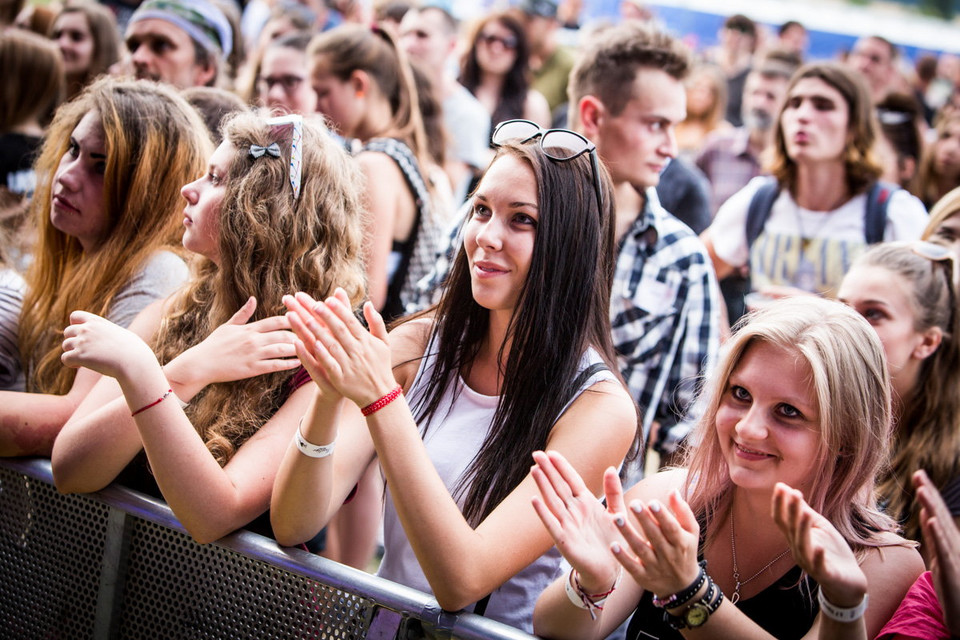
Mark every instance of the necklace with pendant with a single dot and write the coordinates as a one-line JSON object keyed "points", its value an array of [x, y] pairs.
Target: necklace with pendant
{"points": [[735, 598]]}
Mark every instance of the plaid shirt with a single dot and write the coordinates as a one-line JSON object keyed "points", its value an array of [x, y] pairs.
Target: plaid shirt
{"points": [[664, 311]]}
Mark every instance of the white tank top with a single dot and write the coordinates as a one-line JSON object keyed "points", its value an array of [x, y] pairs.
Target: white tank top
{"points": [[452, 442]]}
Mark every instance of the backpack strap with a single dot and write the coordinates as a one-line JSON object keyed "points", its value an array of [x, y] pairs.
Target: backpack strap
{"points": [[875, 220], [760, 207]]}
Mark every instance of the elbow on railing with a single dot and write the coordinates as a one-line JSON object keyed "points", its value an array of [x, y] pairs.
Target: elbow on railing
{"points": [[457, 594]]}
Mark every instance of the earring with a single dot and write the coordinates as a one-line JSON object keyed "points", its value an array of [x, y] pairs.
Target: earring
{"points": [[360, 93]]}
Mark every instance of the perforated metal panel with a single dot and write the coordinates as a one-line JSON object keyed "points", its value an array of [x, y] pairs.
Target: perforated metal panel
{"points": [[51, 552], [176, 588], [110, 566]]}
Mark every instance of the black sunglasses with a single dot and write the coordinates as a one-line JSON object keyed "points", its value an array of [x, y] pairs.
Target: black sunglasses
{"points": [[557, 144], [507, 42]]}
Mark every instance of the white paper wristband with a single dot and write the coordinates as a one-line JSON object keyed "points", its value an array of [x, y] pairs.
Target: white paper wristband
{"points": [[841, 614], [312, 450]]}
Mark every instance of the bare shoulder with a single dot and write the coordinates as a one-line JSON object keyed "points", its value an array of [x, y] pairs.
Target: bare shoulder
{"points": [[657, 486], [897, 557], [408, 342], [379, 165]]}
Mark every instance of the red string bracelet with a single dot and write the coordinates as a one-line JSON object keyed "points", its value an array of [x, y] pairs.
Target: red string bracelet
{"points": [[153, 404], [376, 405]]}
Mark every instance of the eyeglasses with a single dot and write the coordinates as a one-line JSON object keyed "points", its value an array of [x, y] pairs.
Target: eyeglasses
{"points": [[289, 83], [507, 42], [557, 144], [943, 255]]}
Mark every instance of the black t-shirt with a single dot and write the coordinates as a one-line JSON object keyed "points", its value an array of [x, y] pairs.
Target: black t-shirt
{"points": [[786, 610]]}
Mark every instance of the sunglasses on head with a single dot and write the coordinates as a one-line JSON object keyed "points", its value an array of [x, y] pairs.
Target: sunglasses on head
{"points": [[557, 144], [507, 42], [940, 254]]}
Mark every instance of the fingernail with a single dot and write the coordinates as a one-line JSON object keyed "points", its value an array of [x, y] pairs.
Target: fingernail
{"points": [[619, 520], [615, 547], [655, 506], [636, 506]]}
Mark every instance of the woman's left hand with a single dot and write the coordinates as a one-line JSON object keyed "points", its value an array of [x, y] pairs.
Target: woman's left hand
{"points": [[98, 344], [663, 542], [819, 548], [357, 362]]}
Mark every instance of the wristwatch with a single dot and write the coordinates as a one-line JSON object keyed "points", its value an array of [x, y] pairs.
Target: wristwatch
{"points": [[697, 614]]}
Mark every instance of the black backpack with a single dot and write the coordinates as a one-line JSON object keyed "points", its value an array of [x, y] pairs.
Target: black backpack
{"points": [[735, 287]]}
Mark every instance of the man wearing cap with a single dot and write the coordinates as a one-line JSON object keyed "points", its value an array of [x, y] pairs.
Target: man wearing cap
{"points": [[178, 42], [550, 63]]}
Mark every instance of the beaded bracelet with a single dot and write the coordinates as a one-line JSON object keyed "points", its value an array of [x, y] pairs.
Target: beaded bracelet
{"points": [[376, 405], [680, 598], [590, 602]]}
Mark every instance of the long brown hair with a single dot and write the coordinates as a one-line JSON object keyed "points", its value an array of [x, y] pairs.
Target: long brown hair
{"points": [[927, 434], [106, 39], [861, 166], [270, 244], [155, 142]]}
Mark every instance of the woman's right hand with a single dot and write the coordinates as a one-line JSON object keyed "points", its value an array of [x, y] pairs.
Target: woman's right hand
{"points": [[581, 528], [306, 326], [236, 350]]}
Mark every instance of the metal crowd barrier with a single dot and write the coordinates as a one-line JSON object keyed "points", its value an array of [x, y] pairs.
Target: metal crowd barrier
{"points": [[118, 564]]}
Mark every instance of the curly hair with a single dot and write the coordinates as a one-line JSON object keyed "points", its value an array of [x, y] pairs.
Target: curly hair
{"points": [[270, 244], [155, 143]]}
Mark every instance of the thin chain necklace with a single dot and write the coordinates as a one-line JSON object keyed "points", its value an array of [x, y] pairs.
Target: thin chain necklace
{"points": [[735, 598]]}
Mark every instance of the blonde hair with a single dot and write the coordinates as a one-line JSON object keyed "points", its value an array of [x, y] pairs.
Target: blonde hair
{"points": [[946, 207], [852, 388], [270, 244], [155, 142]]}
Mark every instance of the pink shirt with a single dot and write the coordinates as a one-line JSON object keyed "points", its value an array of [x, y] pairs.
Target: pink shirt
{"points": [[919, 616]]}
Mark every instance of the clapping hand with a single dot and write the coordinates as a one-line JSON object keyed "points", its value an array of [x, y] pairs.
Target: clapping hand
{"points": [[819, 548]]}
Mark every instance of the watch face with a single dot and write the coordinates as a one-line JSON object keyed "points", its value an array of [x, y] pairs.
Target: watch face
{"points": [[696, 615]]}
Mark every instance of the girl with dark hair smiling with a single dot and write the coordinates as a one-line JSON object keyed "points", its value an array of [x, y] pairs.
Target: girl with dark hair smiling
{"points": [[501, 367]]}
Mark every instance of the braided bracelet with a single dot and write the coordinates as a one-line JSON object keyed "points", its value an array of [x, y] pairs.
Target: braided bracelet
{"points": [[376, 405], [590, 602]]}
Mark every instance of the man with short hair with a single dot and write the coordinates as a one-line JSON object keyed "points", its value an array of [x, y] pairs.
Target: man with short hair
{"points": [[429, 36], [183, 43], [627, 96], [730, 159], [875, 57]]}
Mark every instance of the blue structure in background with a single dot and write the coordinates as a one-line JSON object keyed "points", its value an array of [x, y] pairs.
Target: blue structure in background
{"points": [[699, 28]]}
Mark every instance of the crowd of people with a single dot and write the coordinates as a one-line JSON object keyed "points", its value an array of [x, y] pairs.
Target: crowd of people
{"points": [[559, 329]]}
